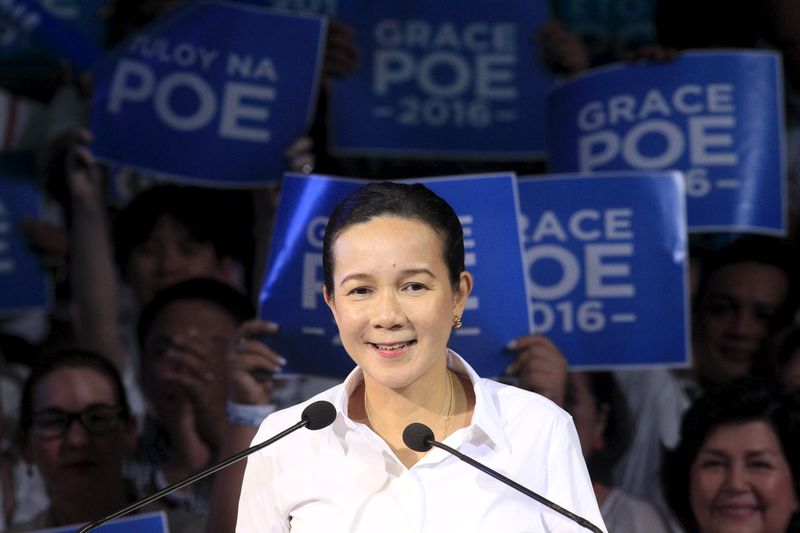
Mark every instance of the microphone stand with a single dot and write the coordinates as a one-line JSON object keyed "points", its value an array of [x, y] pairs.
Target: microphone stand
{"points": [[191, 479], [526, 491]]}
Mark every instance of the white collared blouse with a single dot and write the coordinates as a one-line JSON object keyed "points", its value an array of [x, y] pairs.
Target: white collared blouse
{"points": [[345, 478]]}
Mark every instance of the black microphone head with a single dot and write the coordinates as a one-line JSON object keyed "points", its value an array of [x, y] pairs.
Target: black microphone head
{"points": [[318, 415], [418, 437]]}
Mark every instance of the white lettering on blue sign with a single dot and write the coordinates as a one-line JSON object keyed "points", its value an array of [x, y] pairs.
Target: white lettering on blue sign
{"points": [[460, 71], [241, 108], [707, 139], [470, 259], [602, 270], [312, 280], [182, 54]]}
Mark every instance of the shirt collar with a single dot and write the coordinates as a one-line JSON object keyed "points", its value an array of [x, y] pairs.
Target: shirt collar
{"points": [[485, 418]]}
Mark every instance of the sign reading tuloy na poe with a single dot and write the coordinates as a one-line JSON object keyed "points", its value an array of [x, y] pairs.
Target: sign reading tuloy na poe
{"points": [[211, 93], [716, 116], [453, 78]]}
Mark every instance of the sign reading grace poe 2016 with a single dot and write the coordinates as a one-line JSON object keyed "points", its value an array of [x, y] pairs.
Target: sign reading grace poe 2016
{"points": [[496, 312], [459, 78], [210, 93], [605, 256], [717, 117]]}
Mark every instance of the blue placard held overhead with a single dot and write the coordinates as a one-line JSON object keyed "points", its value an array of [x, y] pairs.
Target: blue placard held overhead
{"points": [[606, 260], [717, 117], [212, 93], [23, 279], [496, 312], [456, 79]]}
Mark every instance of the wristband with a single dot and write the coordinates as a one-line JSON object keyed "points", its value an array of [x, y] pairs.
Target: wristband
{"points": [[248, 415]]}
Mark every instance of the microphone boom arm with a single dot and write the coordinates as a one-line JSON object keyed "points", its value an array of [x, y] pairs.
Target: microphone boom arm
{"points": [[194, 477], [526, 491]]}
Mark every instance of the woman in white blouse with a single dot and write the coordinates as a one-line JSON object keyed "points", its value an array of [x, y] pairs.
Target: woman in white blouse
{"points": [[395, 281]]}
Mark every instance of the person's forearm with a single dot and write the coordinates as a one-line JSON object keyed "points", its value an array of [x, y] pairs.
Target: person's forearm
{"points": [[224, 501], [94, 281]]}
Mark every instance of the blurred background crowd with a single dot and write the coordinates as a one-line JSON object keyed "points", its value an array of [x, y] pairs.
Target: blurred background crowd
{"points": [[152, 365]]}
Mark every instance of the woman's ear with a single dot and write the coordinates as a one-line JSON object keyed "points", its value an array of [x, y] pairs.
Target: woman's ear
{"points": [[462, 292], [328, 297]]}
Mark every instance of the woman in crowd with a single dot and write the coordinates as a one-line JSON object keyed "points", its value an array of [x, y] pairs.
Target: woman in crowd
{"points": [[395, 281], [737, 466], [76, 427], [601, 418]]}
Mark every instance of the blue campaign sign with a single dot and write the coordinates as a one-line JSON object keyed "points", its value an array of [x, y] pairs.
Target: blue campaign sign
{"points": [[454, 78], [496, 312], [155, 522], [716, 116], [23, 280], [212, 93], [71, 29], [606, 260]]}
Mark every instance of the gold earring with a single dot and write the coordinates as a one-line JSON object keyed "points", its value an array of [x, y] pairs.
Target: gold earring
{"points": [[456, 321]]}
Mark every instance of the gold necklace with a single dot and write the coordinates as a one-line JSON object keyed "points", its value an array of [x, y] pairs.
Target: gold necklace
{"points": [[447, 403]]}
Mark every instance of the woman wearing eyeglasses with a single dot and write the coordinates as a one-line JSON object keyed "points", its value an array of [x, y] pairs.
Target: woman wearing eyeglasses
{"points": [[76, 428]]}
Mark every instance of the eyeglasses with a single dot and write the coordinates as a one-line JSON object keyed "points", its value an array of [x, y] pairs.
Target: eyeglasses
{"points": [[99, 419]]}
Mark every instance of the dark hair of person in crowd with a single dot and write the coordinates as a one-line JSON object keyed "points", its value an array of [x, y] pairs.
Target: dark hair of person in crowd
{"points": [[617, 433], [686, 24], [69, 358], [415, 202], [744, 400], [208, 215], [788, 347], [787, 359], [233, 301]]}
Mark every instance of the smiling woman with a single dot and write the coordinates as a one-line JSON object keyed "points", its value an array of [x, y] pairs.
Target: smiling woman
{"points": [[76, 427], [736, 467], [396, 284]]}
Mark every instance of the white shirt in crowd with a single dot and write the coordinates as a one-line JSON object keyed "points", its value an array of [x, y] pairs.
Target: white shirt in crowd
{"points": [[345, 478]]}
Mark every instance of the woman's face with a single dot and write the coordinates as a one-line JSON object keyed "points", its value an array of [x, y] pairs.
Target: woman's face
{"points": [[393, 300], [740, 481], [77, 460]]}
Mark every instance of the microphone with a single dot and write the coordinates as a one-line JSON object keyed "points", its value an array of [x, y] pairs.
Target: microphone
{"points": [[317, 415], [420, 438]]}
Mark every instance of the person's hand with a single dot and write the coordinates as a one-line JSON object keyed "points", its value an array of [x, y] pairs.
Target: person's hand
{"points": [[342, 55], [82, 172], [539, 366], [300, 155], [251, 364], [563, 52], [47, 240], [195, 365]]}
